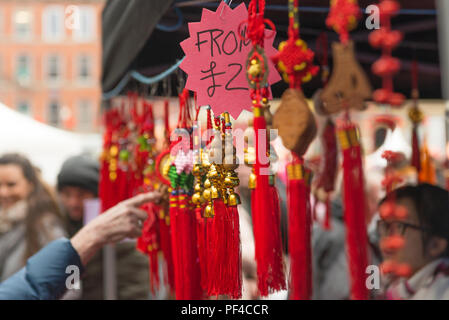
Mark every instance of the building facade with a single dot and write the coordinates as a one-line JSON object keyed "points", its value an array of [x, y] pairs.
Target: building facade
{"points": [[50, 60]]}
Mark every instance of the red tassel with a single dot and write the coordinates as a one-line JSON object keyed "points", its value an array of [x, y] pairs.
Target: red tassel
{"points": [[265, 215], [201, 232], [416, 156], [236, 254], [329, 166], [173, 211], [224, 276], [165, 242], [354, 214], [122, 186], [299, 217], [327, 217], [148, 244], [185, 252]]}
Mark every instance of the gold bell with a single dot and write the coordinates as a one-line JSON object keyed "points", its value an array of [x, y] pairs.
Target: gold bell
{"points": [[212, 174], [196, 170], [228, 183], [215, 194], [252, 181], [207, 194], [208, 211], [255, 69], [207, 184], [233, 199], [196, 198], [197, 187]]}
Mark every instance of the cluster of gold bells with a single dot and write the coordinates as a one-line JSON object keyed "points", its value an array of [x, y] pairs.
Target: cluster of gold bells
{"points": [[216, 180]]}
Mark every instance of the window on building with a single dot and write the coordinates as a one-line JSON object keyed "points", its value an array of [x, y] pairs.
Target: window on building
{"points": [[24, 107], [84, 115], [54, 110], [86, 28], [53, 23], [54, 68], [84, 66], [22, 24], [23, 69]]}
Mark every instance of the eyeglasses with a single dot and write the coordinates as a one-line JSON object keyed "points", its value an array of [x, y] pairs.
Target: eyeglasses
{"points": [[385, 228]]}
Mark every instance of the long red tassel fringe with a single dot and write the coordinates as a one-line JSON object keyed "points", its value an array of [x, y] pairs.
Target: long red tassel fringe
{"points": [[354, 210], [270, 272], [299, 217]]}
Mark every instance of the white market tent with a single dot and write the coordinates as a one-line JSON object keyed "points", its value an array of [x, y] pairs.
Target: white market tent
{"points": [[47, 147]]}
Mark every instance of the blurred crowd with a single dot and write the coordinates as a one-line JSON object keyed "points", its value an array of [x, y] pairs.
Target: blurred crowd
{"points": [[33, 214]]}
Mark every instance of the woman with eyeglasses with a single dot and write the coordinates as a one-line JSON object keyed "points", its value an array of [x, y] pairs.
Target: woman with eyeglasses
{"points": [[425, 230]]}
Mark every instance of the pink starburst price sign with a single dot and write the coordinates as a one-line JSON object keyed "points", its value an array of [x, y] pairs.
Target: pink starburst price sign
{"points": [[216, 54]]}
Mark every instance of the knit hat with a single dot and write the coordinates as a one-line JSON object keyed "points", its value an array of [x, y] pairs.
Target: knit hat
{"points": [[79, 171]]}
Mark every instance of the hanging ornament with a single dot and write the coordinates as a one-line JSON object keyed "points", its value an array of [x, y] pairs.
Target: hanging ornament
{"points": [[416, 117], [387, 66], [297, 128], [328, 167], [108, 160], [427, 174], [266, 216], [390, 211], [178, 168], [214, 193], [162, 210], [354, 207], [329, 161], [348, 88]]}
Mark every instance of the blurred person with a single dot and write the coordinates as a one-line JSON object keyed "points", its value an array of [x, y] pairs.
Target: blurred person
{"points": [[29, 216], [426, 250], [45, 274], [330, 273], [77, 182]]}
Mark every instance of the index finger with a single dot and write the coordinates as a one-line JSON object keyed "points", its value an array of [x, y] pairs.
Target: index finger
{"points": [[142, 198]]}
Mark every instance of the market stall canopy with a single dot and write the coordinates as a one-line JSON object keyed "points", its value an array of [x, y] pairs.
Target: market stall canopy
{"points": [[47, 147], [140, 37], [126, 26]]}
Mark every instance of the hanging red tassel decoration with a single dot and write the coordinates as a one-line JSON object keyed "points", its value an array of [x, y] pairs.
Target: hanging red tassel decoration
{"points": [[297, 128], [266, 228], [182, 217], [329, 166], [222, 256], [387, 66], [164, 214], [416, 116], [329, 161], [270, 273], [108, 171], [343, 17], [299, 231], [354, 208], [148, 244], [390, 211]]}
